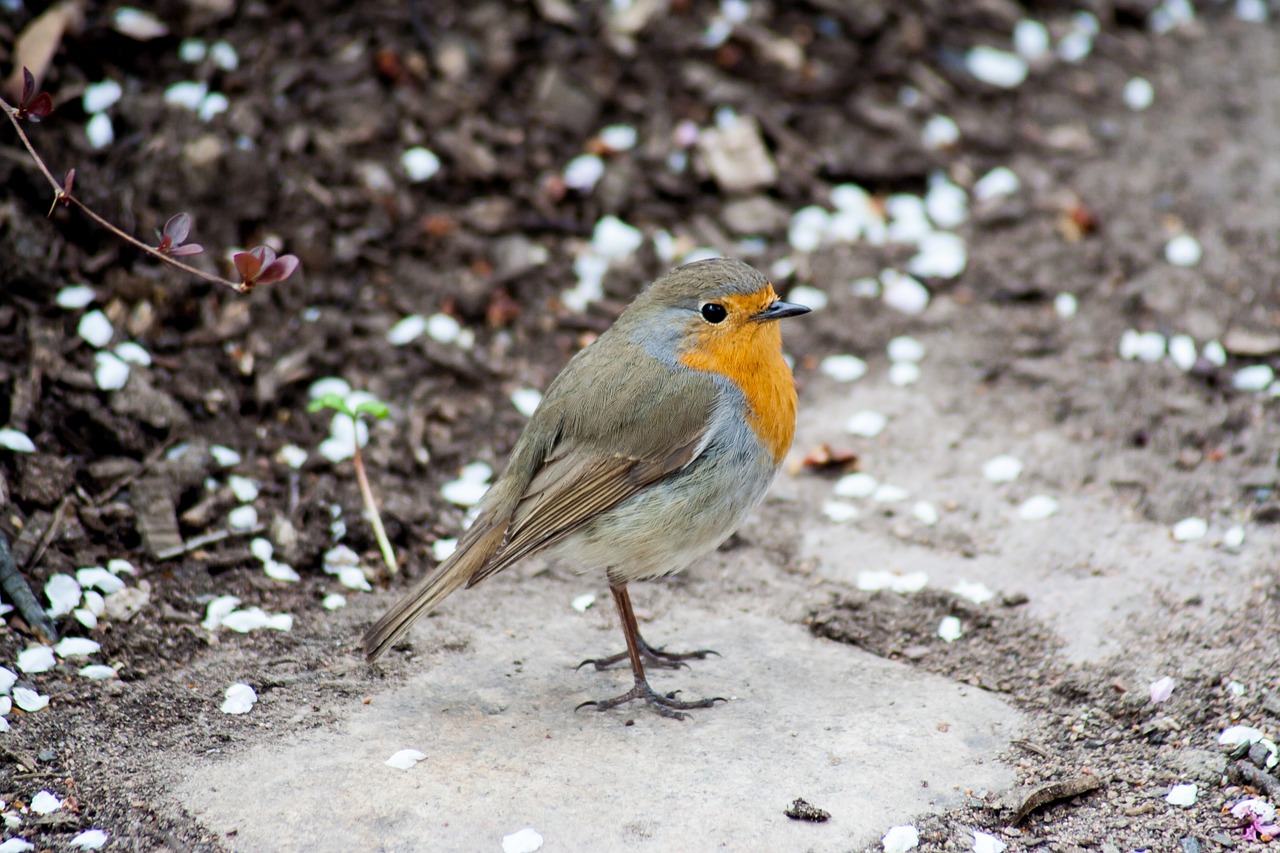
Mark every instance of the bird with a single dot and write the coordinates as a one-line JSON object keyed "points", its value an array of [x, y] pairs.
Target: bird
{"points": [[646, 452]]}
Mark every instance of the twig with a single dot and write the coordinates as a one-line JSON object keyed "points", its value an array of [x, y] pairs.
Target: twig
{"points": [[207, 539], [50, 532], [379, 532], [262, 268], [151, 458], [19, 592]]}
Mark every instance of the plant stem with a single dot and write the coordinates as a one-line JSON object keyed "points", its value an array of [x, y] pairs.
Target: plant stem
{"points": [[61, 194], [379, 532]]}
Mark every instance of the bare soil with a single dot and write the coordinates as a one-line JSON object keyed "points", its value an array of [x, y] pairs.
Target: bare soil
{"points": [[327, 93]]}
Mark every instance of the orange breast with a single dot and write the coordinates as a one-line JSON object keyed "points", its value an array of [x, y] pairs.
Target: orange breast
{"points": [[749, 354]]}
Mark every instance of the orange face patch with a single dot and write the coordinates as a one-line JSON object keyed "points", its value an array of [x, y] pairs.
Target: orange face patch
{"points": [[749, 353]]}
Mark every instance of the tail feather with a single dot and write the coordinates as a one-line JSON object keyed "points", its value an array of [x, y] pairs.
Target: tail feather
{"points": [[429, 592]]}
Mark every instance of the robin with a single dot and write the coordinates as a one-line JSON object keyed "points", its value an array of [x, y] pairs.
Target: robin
{"points": [[646, 453]]}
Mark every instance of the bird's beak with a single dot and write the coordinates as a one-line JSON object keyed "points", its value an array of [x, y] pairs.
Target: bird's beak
{"points": [[779, 309]]}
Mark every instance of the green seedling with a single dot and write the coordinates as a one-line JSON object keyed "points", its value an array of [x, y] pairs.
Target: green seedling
{"points": [[374, 409]]}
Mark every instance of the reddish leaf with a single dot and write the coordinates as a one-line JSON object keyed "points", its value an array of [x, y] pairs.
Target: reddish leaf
{"points": [[184, 251], [28, 86], [177, 228], [250, 263], [278, 270], [40, 107], [68, 181]]}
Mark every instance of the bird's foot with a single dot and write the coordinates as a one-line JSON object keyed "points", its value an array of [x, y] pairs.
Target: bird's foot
{"points": [[656, 658], [665, 704]]}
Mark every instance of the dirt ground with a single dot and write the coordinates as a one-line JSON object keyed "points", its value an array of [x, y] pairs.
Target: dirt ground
{"points": [[324, 100]]}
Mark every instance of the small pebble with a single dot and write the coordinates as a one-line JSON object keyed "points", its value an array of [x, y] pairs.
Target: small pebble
{"points": [[843, 368], [1190, 529], [866, 424]]}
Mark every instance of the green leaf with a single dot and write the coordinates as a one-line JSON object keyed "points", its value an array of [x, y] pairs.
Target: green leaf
{"points": [[373, 408], [330, 401]]}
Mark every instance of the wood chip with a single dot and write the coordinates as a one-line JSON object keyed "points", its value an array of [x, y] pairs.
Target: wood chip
{"points": [[1053, 792]]}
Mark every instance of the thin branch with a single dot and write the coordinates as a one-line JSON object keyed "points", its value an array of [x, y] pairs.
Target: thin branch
{"points": [[61, 194]]}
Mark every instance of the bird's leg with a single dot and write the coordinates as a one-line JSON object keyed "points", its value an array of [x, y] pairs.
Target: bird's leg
{"points": [[657, 658], [665, 704]]}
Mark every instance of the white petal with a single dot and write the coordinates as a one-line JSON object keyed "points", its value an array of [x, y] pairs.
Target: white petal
{"points": [[245, 489], [137, 24], [29, 700], [71, 647], [1002, 469], [583, 172], [261, 548], [1138, 94], [407, 330], [99, 131], [243, 518], [292, 455], [442, 549], [217, 609], [940, 132], [582, 602], [905, 348], [121, 567], [986, 843], [1182, 795], [35, 659], [903, 293], [244, 621], [404, 759], [950, 629], [192, 51], [870, 581], [99, 578], [1161, 690], [333, 601], [843, 368], [239, 699], [925, 512], [1037, 508], [997, 67], [45, 802], [7, 679], [1182, 352], [111, 373], [526, 400], [999, 182], [16, 441], [858, 485], [280, 571], [465, 493], [97, 672], [75, 296], [224, 55], [1233, 539], [810, 297], [903, 373], [840, 511], [1239, 736], [353, 578], [976, 592], [1255, 377], [443, 328], [866, 424], [419, 164], [526, 840], [1065, 305], [90, 839], [886, 493], [224, 456], [900, 839], [1183, 251], [329, 385], [63, 593], [613, 238], [1190, 529], [188, 94], [16, 845]]}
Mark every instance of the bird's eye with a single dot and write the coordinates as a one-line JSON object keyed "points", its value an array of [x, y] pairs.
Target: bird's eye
{"points": [[713, 312]]}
